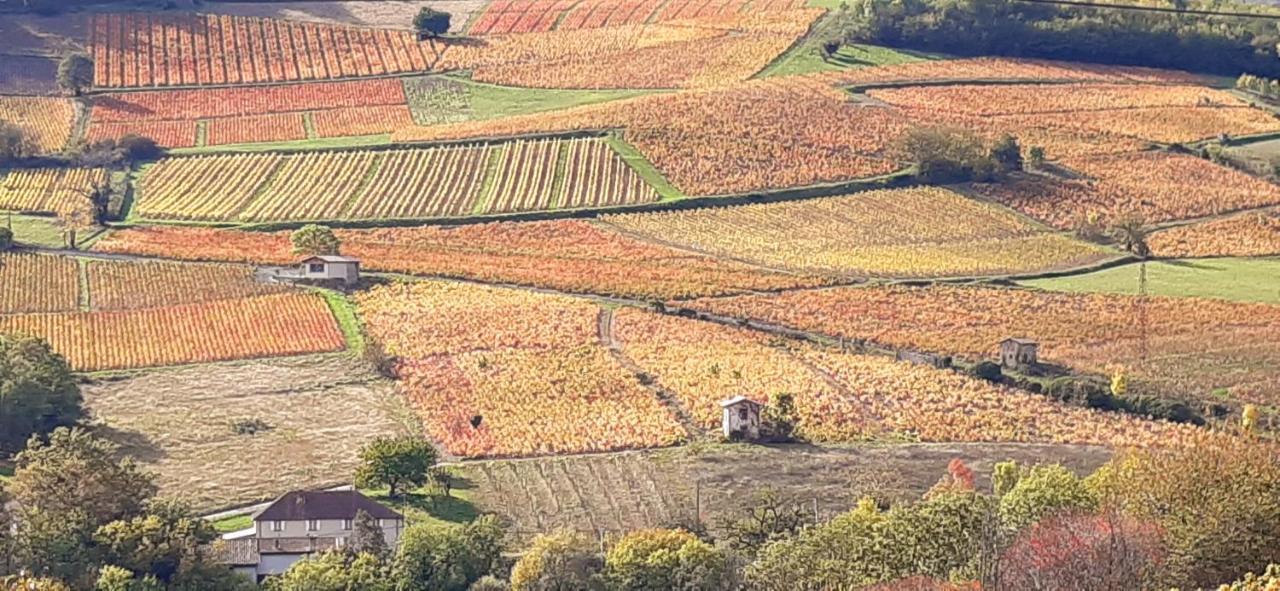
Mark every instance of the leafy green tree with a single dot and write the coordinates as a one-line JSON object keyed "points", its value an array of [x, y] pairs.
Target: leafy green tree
{"points": [[1218, 506], [6, 239], [167, 543], [941, 536], [75, 73], [948, 155], [1041, 491], [115, 578], [431, 558], [655, 559], [396, 463], [38, 392], [558, 561], [334, 571], [367, 537], [1006, 154], [430, 23], [15, 143], [76, 471], [314, 239]]}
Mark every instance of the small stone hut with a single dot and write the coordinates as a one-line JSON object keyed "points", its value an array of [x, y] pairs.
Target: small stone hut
{"points": [[1018, 353], [330, 267], [740, 418]]}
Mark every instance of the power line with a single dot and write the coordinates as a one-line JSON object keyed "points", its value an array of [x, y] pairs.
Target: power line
{"points": [[1160, 9]]}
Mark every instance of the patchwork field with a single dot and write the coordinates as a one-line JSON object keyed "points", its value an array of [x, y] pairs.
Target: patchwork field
{"points": [[47, 121], [30, 75], [523, 16], [316, 413], [1091, 332], [446, 181], [1238, 279], [392, 15], [914, 232], [49, 190]]}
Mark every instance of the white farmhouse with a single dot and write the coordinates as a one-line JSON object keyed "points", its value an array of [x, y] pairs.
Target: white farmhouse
{"points": [[302, 523], [326, 267]]}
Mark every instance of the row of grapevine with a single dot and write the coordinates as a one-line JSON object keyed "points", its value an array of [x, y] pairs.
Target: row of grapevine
{"points": [[38, 283], [141, 50], [427, 182], [265, 326], [49, 190]]}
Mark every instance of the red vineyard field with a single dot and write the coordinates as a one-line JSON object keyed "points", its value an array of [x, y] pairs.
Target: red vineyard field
{"points": [[133, 50], [525, 16]]}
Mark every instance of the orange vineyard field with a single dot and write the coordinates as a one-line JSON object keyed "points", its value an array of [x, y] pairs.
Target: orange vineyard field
{"points": [[1244, 235], [842, 397], [919, 232], [484, 390], [523, 16], [115, 286], [49, 190], [1092, 332], [1156, 186], [38, 283], [568, 255], [264, 326], [47, 121]]}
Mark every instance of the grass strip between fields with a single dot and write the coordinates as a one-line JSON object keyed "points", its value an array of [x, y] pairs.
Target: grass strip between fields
{"points": [[345, 313], [644, 168]]}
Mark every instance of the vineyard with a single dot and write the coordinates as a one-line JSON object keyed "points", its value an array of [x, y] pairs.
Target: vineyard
{"points": [[568, 255], [523, 16], [141, 50], [1245, 235], [445, 181], [114, 285], [841, 397], [46, 120], [238, 115], [1091, 332], [906, 232], [1038, 99], [37, 283], [49, 190], [1157, 186], [484, 390], [265, 326]]}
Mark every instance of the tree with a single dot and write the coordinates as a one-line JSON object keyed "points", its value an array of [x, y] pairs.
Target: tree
{"points": [[30, 583], [1129, 231], [1042, 491], [1035, 158], [166, 544], [15, 143], [558, 561], [1218, 506], [75, 73], [38, 392], [431, 558], [115, 578], [780, 416], [674, 559], [75, 220], [313, 239], [6, 239], [367, 537], [431, 23], [137, 147], [1006, 154], [948, 155], [334, 571], [1075, 551], [396, 463], [769, 520]]}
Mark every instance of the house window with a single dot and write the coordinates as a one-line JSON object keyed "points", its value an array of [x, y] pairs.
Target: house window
{"points": [[277, 526], [340, 542], [316, 267], [346, 524], [313, 525]]}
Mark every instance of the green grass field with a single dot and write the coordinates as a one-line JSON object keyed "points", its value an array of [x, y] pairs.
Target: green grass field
{"points": [[42, 231], [437, 100], [1244, 280], [233, 523], [805, 58]]}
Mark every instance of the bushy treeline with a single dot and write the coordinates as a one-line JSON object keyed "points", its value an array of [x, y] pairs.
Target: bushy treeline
{"points": [[1265, 87], [1219, 45]]}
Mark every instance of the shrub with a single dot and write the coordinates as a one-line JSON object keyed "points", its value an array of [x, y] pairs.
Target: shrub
{"points": [[431, 23], [948, 155], [137, 147], [987, 370], [664, 559], [1042, 491], [6, 239], [558, 560]]}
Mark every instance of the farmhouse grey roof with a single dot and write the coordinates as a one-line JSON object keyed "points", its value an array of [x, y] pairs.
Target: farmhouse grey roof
{"points": [[1019, 341], [330, 258], [329, 504]]}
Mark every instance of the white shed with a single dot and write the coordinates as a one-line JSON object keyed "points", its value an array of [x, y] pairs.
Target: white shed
{"points": [[345, 269], [740, 418]]}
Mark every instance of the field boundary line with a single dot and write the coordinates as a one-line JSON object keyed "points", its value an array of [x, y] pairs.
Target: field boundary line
{"points": [[667, 398]]}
